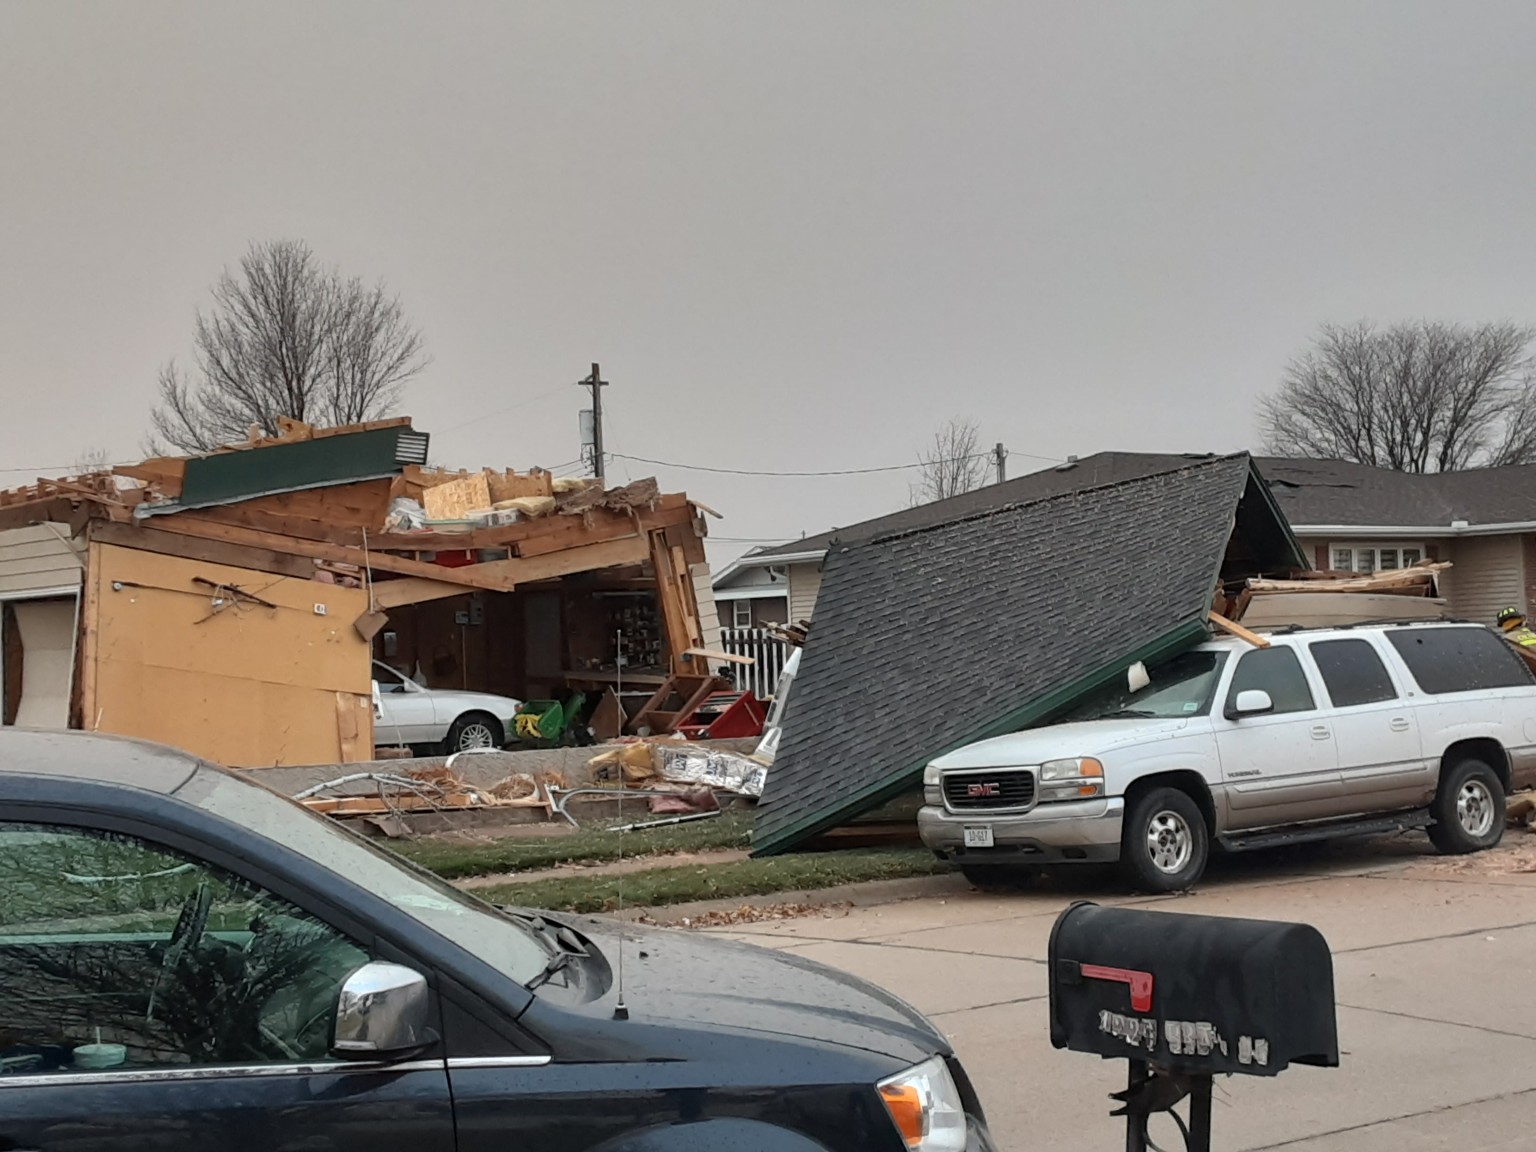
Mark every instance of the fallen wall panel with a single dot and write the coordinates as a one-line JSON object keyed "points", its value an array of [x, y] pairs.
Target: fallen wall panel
{"points": [[211, 671]]}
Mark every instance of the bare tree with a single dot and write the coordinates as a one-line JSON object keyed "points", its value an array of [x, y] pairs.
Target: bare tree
{"points": [[1414, 397], [952, 463], [91, 460], [285, 337]]}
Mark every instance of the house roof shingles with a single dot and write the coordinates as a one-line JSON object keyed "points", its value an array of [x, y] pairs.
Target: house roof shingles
{"points": [[930, 639], [1337, 492], [1074, 476]]}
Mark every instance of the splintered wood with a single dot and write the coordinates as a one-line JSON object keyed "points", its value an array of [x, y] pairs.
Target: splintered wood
{"points": [[1418, 580], [510, 486]]}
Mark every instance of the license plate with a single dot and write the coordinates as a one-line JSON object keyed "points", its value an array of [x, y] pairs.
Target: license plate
{"points": [[978, 837]]}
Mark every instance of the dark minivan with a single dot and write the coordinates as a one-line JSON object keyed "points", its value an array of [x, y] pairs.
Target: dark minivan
{"points": [[190, 962]]}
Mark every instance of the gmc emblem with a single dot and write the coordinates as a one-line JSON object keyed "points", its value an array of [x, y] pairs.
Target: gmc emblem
{"points": [[980, 791]]}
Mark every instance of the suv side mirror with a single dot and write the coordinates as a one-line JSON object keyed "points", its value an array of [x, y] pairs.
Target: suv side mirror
{"points": [[1250, 702], [382, 1013]]}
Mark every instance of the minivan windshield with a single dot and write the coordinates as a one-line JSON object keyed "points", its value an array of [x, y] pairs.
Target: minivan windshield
{"points": [[438, 906], [1179, 688]]}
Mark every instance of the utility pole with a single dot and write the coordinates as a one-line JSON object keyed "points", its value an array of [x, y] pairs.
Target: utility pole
{"points": [[1000, 454], [597, 384]]}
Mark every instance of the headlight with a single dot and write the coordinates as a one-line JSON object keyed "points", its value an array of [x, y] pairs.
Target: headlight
{"points": [[1075, 778], [925, 1107], [1071, 768], [931, 776]]}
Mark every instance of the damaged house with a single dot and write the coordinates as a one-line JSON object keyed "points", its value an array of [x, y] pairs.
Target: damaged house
{"points": [[977, 621], [238, 604]]}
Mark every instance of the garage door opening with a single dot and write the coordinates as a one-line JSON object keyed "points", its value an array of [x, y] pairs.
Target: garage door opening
{"points": [[37, 638]]}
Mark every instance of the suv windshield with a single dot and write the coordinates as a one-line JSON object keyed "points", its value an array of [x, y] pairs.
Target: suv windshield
{"points": [[1179, 688], [436, 905]]}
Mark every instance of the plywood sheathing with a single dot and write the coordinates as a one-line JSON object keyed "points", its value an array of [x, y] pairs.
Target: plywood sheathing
{"points": [[241, 684], [456, 499]]}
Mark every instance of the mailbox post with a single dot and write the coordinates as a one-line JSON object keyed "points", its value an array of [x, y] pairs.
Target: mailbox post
{"points": [[1186, 998]]}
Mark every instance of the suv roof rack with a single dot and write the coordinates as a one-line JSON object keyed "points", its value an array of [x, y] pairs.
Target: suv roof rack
{"points": [[1386, 622]]}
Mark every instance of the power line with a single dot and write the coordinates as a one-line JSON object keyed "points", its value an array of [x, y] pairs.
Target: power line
{"points": [[826, 472], [44, 469], [478, 417]]}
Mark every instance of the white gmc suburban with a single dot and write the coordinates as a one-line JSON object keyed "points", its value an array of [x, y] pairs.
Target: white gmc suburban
{"points": [[1326, 732]]}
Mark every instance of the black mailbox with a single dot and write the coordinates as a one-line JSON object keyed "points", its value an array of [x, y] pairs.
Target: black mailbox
{"points": [[1185, 998], [1200, 995]]}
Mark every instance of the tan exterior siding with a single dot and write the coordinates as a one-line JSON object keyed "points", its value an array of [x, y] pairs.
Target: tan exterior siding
{"points": [[1487, 574], [36, 561], [1530, 573], [804, 587]]}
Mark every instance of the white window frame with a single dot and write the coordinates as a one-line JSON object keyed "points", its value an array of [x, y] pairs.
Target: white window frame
{"points": [[736, 613], [1398, 547]]}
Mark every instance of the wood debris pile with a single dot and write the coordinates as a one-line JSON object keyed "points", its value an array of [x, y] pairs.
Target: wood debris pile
{"points": [[1322, 598], [426, 790]]}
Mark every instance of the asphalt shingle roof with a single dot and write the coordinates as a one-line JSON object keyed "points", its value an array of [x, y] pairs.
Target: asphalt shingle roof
{"points": [[1093, 471], [929, 639], [1338, 492]]}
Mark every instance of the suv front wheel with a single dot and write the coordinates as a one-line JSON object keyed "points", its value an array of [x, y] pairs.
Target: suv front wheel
{"points": [[1164, 844], [1468, 809]]}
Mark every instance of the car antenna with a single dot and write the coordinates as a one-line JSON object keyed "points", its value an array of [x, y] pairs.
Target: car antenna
{"points": [[621, 1009]]}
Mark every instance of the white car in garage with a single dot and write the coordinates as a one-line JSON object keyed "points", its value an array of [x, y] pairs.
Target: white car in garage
{"points": [[405, 712]]}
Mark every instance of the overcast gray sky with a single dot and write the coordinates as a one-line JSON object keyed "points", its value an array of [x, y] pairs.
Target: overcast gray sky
{"points": [[798, 236]]}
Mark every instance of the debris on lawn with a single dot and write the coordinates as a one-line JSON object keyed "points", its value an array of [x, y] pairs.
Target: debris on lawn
{"points": [[423, 790], [751, 914], [1520, 811]]}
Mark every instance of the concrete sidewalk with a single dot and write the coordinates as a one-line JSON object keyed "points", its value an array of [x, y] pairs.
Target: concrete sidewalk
{"points": [[1433, 962]]}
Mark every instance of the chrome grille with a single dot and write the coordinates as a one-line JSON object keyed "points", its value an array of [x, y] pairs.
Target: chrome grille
{"points": [[975, 791]]}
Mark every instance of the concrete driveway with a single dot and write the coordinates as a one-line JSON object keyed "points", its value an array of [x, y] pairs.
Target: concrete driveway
{"points": [[1434, 961]]}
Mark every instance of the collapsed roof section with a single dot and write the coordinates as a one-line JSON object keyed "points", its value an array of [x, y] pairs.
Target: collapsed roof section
{"points": [[357, 500], [931, 639]]}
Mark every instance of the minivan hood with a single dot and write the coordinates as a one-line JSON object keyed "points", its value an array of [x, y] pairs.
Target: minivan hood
{"points": [[1035, 745], [673, 975]]}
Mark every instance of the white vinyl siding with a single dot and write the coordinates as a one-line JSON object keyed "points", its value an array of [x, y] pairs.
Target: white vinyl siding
{"points": [[36, 561], [1487, 574], [804, 586], [709, 614]]}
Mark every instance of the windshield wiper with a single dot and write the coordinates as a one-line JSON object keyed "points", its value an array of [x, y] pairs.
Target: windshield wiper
{"points": [[564, 946], [1139, 713]]}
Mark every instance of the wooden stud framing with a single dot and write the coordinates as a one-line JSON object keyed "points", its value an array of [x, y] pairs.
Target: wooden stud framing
{"points": [[471, 576], [195, 548], [90, 620]]}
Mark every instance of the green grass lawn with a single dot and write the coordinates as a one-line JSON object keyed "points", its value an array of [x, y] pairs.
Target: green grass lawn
{"points": [[658, 886], [595, 844]]}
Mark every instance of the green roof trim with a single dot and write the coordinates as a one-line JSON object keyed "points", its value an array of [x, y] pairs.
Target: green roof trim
{"points": [[345, 458], [1041, 709]]}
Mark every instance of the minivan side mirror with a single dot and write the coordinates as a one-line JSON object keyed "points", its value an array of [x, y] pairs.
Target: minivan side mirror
{"points": [[383, 1012], [1250, 702]]}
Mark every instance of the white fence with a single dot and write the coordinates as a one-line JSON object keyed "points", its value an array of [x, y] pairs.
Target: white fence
{"points": [[768, 652]]}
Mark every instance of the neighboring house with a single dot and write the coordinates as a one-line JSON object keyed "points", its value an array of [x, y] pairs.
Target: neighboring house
{"points": [[749, 594], [1363, 519], [790, 574]]}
